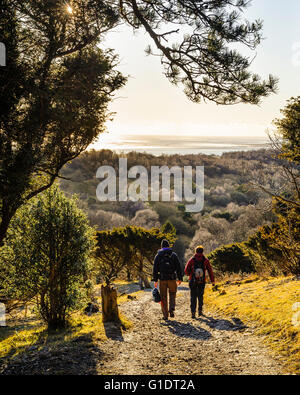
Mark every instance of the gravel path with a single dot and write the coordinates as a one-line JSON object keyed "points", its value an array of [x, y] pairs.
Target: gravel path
{"points": [[206, 345]]}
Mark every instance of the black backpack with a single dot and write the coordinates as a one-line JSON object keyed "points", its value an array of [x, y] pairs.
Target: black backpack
{"points": [[198, 276], [167, 268]]}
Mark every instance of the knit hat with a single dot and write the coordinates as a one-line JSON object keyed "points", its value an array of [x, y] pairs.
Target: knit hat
{"points": [[199, 249], [165, 244]]}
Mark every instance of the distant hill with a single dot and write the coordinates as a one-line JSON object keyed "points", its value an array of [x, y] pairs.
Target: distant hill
{"points": [[228, 196]]}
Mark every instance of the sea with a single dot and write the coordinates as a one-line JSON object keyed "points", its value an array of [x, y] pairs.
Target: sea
{"points": [[185, 145]]}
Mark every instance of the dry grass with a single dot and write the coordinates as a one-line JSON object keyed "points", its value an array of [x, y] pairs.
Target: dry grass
{"points": [[25, 336], [268, 303]]}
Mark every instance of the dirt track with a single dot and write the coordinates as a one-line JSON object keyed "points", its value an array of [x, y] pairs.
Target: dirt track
{"points": [[207, 345]]}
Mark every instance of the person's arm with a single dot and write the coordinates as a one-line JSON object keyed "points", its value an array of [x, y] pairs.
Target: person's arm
{"points": [[155, 269], [178, 268], [210, 272], [188, 268]]}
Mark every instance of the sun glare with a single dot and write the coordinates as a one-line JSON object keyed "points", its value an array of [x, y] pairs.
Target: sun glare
{"points": [[69, 9]]}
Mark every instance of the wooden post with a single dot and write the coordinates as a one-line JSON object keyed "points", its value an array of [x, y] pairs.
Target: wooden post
{"points": [[145, 281], [110, 311], [141, 283]]}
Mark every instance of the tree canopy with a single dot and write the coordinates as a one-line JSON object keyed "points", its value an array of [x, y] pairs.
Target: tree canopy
{"points": [[54, 92], [196, 41], [285, 144], [288, 128], [275, 248], [128, 247]]}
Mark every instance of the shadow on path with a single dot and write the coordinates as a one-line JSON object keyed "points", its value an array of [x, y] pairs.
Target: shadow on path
{"points": [[183, 287], [113, 331], [187, 330], [221, 324], [78, 356]]}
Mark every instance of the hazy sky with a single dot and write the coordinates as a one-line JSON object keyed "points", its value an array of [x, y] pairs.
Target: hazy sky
{"points": [[150, 105]]}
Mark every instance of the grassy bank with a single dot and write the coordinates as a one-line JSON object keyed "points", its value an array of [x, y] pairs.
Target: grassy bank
{"points": [[26, 344], [268, 303]]}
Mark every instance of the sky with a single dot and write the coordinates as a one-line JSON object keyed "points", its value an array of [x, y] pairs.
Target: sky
{"points": [[150, 106]]}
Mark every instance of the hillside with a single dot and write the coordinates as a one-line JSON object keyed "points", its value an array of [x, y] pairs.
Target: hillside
{"points": [[233, 209], [272, 304]]}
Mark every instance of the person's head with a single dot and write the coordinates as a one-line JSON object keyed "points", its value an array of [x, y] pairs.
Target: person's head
{"points": [[199, 250], [165, 244]]}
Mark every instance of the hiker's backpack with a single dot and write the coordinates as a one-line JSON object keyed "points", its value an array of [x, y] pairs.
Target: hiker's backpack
{"points": [[156, 295], [198, 276], [166, 267]]}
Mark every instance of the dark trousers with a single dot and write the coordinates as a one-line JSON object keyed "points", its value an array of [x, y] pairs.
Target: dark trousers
{"points": [[197, 293]]}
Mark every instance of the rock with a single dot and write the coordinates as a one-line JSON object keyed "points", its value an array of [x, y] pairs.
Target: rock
{"points": [[91, 308], [131, 297]]}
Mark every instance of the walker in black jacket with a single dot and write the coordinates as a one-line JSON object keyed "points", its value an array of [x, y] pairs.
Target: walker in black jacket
{"points": [[167, 269]]}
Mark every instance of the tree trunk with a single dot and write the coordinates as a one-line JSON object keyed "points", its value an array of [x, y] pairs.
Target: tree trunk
{"points": [[2, 315], [110, 311], [129, 278], [5, 221], [56, 323]]}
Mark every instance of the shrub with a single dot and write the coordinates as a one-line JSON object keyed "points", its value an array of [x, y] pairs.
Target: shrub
{"points": [[224, 215], [146, 218], [48, 249], [168, 227], [106, 220], [182, 228], [231, 258], [239, 198], [276, 247]]}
